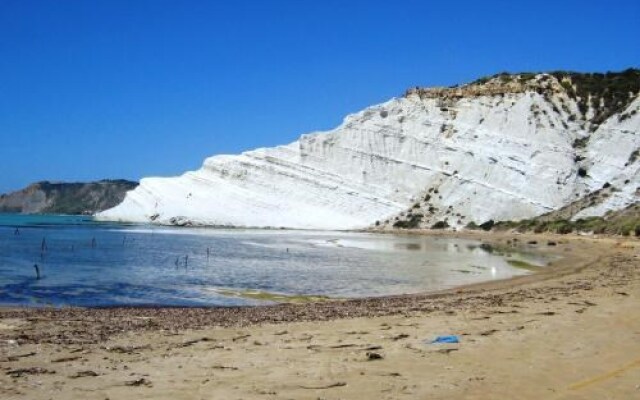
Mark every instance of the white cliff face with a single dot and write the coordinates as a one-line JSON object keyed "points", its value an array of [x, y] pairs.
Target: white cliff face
{"points": [[613, 154], [473, 158]]}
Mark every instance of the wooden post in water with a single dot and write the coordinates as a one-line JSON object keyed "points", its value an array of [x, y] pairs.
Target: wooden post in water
{"points": [[43, 248], [186, 260], [37, 271], [208, 253]]}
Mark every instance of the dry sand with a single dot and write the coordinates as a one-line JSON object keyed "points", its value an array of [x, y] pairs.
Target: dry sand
{"points": [[569, 332]]}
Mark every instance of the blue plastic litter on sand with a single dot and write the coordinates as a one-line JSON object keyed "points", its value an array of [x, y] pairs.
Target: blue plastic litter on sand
{"points": [[446, 339]]}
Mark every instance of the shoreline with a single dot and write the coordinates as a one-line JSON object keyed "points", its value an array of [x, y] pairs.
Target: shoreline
{"points": [[569, 331], [486, 238], [198, 317]]}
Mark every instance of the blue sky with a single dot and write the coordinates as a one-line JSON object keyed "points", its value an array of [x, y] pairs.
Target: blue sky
{"points": [[126, 89]]}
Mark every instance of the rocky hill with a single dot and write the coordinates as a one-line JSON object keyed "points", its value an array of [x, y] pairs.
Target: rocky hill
{"points": [[66, 198], [506, 147]]}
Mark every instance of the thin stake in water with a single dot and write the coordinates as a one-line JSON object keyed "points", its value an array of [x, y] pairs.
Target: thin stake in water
{"points": [[186, 260], [43, 248], [37, 271]]}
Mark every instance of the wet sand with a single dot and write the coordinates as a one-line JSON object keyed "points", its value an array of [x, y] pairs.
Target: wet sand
{"points": [[571, 331]]}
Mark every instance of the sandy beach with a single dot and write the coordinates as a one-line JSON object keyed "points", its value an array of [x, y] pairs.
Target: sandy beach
{"points": [[571, 331]]}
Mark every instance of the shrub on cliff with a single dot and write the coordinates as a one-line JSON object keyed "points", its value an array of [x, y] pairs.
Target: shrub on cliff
{"points": [[440, 225]]}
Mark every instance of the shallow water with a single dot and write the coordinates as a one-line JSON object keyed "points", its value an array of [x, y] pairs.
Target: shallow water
{"points": [[84, 263]]}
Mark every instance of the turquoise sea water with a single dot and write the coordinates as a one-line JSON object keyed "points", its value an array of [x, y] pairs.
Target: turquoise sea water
{"points": [[19, 220], [85, 263]]}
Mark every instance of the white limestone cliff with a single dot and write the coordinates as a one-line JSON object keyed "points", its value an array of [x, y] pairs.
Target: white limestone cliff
{"points": [[494, 150]]}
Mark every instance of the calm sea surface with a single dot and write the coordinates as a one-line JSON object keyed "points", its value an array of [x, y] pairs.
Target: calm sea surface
{"points": [[84, 263]]}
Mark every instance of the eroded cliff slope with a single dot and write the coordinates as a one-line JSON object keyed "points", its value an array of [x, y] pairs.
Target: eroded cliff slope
{"points": [[502, 148]]}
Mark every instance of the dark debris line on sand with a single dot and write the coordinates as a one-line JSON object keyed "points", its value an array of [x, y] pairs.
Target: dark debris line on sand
{"points": [[93, 325], [17, 373]]}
